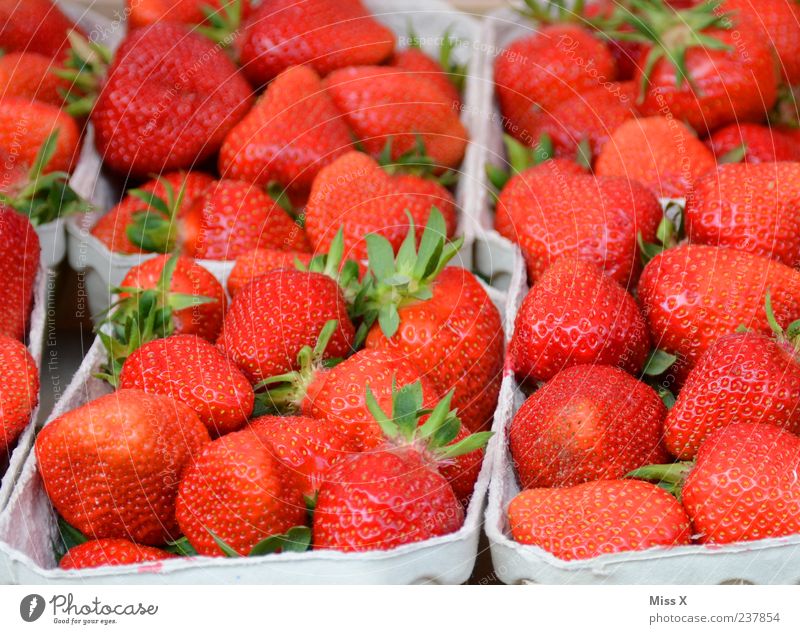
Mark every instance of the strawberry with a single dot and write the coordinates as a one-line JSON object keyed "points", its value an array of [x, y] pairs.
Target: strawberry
{"points": [[110, 552], [167, 102], [19, 391], [752, 143], [325, 34], [354, 192], [749, 208], [694, 294], [31, 76], [145, 12], [239, 492], [537, 73], [704, 67], [395, 495], [552, 212], [154, 195], [575, 315], [589, 422], [441, 319], [309, 447], [274, 317], [383, 105], [597, 518], [742, 487], [252, 264], [36, 26], [742, 376], [292, 132], [191, 370], [111, 467], [658, 152], [447, 75], [19, 263]]}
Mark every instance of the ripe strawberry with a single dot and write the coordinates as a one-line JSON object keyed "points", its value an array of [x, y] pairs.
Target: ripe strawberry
{"points": [[31, 76], [552, 212], [750, 208], [382, 105], [191, 370], [324, 34], [145, 12], [742, 376], [110, 552], [658, 152], [309, 447], [445, 77], [591, 116], [169, 99], [36, 26], [19, 391], [111, 467], [589, 422], [19, 263], [292, 132], [356, 194], [395, 495], [539, 72], [598, 518], [252, 264], [704, 67], [25, 126], [239, 491], [574, 315], [279, 313], [742, 487], [111, 229], [441, 319], [694, 294], [753, 143], [203, 319]]}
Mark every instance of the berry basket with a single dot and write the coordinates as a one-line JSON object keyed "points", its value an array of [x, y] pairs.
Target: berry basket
{"points": [[428, 19]]}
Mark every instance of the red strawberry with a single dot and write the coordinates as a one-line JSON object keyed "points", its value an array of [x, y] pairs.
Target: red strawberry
{"points": [[239, 491], [552, 212], [189, 278], [597, 518], [750, 208], [415, 60], [110, 552], [694, 294], [356, 194], [575, 315], [753, 143], [252, 264], [144, 12], [36, 26], [31, 76], [111, 229], [325, 34], [384, 105], [742, 376], [658, 152], [111, 467], [19, 391], [589, 422], [19, 263], [278, 314], [309, 447], [442, 320], [539, 72], [191, 370], [168, 101], [292, 132]]}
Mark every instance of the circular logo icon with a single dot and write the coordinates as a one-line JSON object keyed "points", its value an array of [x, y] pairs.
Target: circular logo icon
{"points": [[31, 607]]}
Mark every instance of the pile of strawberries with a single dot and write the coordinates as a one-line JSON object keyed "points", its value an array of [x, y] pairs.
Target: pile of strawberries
{"points": [[660, 346]]}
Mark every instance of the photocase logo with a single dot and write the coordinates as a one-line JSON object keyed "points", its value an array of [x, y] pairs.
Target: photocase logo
{"points": [[31, 607]]}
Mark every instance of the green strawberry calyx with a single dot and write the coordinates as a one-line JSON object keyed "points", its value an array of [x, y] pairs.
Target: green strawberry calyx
{"points": [[155, 227], [456, 72], [45, 196], [415, 162], [520, 158], [85, 68], [143, 315], [396, 281], [669, 233], [222, 24], [789, 336], [330, 264], [296, 540], [434, 437], [671, 477]]}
